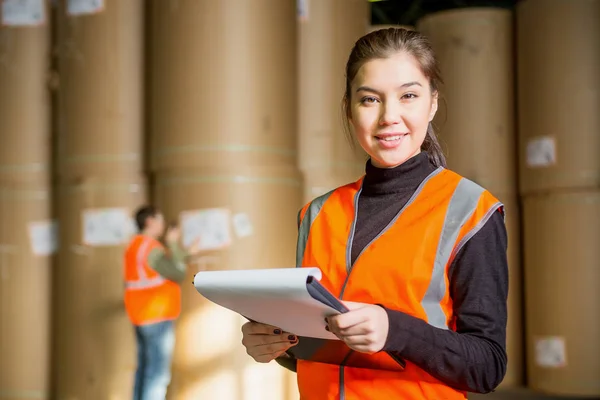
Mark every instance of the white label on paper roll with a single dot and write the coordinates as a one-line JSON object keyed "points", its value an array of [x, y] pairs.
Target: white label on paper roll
{"points": [[541, 152], [302, 9], [242, 225], [550, 352], [210, 226], [23, 12], [43, 236], [106, 226], [81, 7]]}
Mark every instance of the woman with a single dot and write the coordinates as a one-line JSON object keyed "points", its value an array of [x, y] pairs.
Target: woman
{"points": [[416, 252]]}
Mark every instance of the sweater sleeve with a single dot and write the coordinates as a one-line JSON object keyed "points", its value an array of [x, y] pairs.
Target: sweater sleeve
{"points": [[287, 361], [170, 266], [472, 358]]}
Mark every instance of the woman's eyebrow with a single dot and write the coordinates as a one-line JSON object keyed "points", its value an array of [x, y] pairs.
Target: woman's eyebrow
{"points": [[403, 86]]}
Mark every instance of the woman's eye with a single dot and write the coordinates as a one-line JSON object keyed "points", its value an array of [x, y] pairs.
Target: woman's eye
{"points": [[409, 96], [368, 100]]}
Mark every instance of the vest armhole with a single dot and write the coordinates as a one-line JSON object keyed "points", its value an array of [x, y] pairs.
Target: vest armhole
{"points": [[299, 218], [305, 219], [154, 245], [497, 206]]}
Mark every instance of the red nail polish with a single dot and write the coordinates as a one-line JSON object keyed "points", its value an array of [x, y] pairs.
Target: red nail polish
{"points": [[277, 331], [327, 328]]}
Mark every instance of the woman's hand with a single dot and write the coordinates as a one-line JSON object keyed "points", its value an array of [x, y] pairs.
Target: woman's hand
{"points": [[265, 343], [364, 328]]}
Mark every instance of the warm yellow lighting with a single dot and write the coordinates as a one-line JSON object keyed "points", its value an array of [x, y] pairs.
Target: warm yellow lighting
{"points": [[210, 332], [222, 385], [263, 381]]}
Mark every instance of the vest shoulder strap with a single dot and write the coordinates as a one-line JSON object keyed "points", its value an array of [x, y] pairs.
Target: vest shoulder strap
{"points": [[309, 213]]}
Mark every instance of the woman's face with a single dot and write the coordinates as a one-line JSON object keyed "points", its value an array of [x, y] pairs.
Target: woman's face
{"points": [[390, 107]]}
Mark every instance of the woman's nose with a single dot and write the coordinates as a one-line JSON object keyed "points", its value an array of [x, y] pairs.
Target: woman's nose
{"points": [[391, 114]]}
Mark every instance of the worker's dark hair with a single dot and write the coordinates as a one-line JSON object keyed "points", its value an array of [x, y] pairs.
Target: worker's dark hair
{"points": [[142, 215], [385, 43]]}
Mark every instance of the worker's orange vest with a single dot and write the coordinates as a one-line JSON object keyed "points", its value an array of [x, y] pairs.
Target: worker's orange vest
{"points": [[149, 298], [404, 268]]}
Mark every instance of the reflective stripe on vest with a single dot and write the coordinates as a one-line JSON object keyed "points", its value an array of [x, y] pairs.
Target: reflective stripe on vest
{"points": [[462, 205], [466, 208], [143, 282]]}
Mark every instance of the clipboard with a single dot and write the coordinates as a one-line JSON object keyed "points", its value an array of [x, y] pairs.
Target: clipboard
{"points": [[294, 300]]}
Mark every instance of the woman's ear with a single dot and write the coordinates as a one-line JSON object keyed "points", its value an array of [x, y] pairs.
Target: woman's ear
{"points": [[434, 106]]}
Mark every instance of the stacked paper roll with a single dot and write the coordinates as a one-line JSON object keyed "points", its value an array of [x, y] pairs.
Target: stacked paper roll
{"points": [[100, 182], [476, 117], [476, 126], [558, 140], [223, 78], [558, 53], [224, 162], [27, 232], [561, 231], [100, 66], [328, 156], [94, 340]]}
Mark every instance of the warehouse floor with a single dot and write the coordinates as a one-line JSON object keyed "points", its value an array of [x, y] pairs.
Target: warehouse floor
{"points": [[521, 394]]}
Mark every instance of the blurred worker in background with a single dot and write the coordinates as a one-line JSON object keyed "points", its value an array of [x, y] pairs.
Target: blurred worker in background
{"points": [[153, 298]]}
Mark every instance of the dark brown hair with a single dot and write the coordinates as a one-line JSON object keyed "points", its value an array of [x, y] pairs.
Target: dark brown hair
{"points": [[142, 214], [384, 43]]}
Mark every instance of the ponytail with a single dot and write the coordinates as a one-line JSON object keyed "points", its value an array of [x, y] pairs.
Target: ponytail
{"points": [[433, 148]]}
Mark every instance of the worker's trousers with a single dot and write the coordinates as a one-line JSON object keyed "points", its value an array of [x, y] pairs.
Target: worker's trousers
{"points": [[155, 343]]}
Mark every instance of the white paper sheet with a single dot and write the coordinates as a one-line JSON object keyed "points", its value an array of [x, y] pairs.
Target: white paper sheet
{"points": [[550, 352], [210, 225], [302, 10], [276, 297], [43, 236], [106, 226], [541, 152], [23, 12], [242, 225], [82, 7]]}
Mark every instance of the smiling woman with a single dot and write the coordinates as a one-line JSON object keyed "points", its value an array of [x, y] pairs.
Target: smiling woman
{"points": [[392, 96], [390, 117], [416, 252]]}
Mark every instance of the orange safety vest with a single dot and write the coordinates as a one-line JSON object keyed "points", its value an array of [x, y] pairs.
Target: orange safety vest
{"points": [[404, 268], [149, 297]]}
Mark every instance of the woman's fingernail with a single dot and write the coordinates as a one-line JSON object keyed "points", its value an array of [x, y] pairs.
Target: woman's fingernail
{"points": [[326, 328], [292, 338], [277, 331]]}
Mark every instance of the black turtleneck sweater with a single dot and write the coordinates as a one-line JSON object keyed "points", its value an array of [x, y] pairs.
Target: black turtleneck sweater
{"points": [[472, 358]]}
